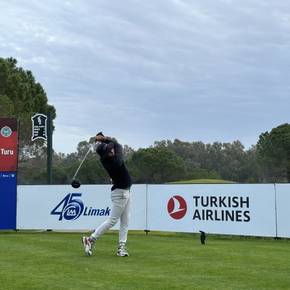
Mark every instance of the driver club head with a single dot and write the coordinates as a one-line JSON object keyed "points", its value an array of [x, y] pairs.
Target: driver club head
{"points": [[75, 183]]}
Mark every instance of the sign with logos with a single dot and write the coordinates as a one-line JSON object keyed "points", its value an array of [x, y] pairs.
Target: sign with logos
{"points": [[235, 209], [66, 208], [8, 144], [238, 209], [8, 181], [8, 174], [39, 127]]}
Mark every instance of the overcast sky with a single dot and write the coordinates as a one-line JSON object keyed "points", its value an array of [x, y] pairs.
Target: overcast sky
{"points": [[196, 70]]}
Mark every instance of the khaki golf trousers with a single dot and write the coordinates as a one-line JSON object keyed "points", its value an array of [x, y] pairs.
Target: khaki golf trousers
{"points": [[121, 202]]}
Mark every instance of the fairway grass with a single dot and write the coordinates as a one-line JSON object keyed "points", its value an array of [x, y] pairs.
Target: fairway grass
{"points": [[203, 181], [51, 260]]}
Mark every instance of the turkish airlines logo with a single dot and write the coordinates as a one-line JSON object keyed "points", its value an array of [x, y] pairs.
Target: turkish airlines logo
{"points": [[177, 207]]}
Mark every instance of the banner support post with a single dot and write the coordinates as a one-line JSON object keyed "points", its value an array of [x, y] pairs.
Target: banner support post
{"points": [[49, 148]]}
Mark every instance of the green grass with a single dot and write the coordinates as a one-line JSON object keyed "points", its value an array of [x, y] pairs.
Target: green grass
{"points": [[203, 181], [52, 260]]}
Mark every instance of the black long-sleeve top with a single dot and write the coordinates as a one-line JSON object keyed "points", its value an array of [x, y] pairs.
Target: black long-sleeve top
{"points": [[116, 167]]}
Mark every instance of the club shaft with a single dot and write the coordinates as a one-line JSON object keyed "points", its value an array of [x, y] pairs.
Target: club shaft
{"points": [[81, 163]]}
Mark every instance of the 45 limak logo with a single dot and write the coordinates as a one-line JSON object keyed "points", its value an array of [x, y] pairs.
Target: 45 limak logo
{"points": [[71, 208]]}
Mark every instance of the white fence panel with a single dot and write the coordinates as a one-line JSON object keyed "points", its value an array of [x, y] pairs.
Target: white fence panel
{"points": [[283, 210], [62, 207], [239, 209]]}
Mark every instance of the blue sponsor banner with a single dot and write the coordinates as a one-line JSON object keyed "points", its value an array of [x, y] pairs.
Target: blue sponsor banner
{"points": [[8, 187]]}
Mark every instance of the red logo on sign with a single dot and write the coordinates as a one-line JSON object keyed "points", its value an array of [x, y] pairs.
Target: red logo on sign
{"points": [[177, 207]]}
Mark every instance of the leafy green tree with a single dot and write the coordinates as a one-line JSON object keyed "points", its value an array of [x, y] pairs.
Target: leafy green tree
{"points": [[156, 165], [233, 159], [215, 158], [273, 151], [250, 171], [193, 154], [21, 96], [229, 161]]}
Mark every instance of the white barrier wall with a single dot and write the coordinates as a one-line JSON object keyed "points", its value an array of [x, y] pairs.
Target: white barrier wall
{"points": [[240, 209], [65, 208], [283, 210]]}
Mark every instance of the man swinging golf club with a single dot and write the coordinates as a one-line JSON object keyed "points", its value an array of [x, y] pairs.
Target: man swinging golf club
{"points": [[111, 157]]}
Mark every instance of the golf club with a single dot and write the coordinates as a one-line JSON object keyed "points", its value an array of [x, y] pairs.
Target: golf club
{"points": [[76, 183]]}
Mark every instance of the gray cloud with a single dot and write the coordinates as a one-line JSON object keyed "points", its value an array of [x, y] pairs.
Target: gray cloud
{"points": [[150, 70]]}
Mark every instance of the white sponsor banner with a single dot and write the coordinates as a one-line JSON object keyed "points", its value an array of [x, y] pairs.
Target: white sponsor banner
{"points": [[283, 210], [65, 208], [238, 209]]}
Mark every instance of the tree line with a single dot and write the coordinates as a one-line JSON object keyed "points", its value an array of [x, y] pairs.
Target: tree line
{"points": [[165, 161]]}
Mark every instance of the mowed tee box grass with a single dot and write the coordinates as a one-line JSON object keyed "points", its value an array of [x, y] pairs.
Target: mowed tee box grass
{"points": [[50, 260]]}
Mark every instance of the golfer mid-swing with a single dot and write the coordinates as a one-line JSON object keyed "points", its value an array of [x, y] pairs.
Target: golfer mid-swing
{"points": [[111, 157]]}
